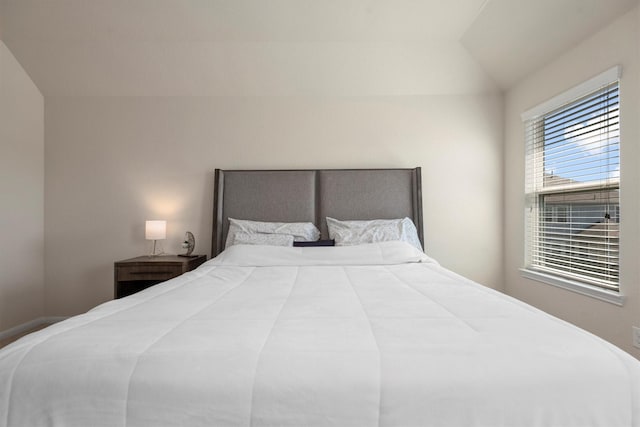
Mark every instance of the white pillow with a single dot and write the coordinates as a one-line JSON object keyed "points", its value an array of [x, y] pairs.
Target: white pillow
{"points": [[301, 231], [347, 233], [244, 238]]}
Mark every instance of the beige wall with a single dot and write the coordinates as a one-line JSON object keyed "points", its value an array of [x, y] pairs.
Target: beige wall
{"points": [[113, 162], [615, 44], [21, 195]]}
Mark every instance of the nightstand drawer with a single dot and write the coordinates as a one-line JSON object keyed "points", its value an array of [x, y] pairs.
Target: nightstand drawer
{"points": [[135, 274], [148, 272]]}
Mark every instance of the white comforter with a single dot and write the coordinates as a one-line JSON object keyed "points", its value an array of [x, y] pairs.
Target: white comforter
{"points": [[378, 335]]}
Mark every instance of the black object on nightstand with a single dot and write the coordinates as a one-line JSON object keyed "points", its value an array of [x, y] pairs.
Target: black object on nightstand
{"points": [[135, 274]]}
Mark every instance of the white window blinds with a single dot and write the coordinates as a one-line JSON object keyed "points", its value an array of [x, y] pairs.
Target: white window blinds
{"points": [[572, 187]]}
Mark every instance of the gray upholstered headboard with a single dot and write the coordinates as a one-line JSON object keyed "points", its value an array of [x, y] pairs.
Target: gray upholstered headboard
{"points": [[313, 194]]}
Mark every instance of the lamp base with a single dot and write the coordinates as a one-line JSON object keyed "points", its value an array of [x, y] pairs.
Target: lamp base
{"points": [[154, 253]]}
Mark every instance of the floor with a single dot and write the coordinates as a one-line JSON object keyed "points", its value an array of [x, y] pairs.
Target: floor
{"points": [[9, 340]]}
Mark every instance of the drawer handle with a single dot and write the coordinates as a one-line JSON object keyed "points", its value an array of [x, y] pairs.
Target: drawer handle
{"points": [[150, 272]]}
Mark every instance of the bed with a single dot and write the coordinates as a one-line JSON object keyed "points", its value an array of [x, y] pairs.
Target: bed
{"points": [[377, 334]]}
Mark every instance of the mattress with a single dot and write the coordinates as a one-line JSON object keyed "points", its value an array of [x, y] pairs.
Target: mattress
{"points": [[373, 335]]}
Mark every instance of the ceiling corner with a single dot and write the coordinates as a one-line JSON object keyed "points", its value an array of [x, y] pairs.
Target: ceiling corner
{"points": [[510, 39]]}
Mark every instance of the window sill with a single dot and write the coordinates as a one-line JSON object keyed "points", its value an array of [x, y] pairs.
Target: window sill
{"points": [[573, 286]]}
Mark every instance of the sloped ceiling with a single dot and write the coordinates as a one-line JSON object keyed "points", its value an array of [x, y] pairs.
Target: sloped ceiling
{"points": [[291, 47], [511, 38]]}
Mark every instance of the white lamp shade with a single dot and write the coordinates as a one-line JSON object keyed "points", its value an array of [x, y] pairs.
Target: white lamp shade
{"points": [[155, 230]]}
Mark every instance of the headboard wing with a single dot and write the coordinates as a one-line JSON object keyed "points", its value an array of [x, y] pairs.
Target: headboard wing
{"points": [[310, 195]]}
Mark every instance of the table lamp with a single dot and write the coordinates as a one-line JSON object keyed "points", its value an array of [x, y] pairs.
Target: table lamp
{"points": [[155, 230]]}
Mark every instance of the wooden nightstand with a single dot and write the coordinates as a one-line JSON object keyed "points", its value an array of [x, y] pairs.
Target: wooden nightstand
{"points": [[135, 274]]}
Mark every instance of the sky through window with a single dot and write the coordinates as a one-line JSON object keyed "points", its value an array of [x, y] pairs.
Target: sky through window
{"points": [[582, 141]]}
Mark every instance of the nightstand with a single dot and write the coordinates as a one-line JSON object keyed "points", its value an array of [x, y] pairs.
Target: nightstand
{"points": [[135, 274]]}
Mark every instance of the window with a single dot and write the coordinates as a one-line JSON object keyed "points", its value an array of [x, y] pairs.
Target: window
{"points": [[573, 185]]}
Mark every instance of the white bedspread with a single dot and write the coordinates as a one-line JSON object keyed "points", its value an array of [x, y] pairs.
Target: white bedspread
{"points": [[378, 335]]}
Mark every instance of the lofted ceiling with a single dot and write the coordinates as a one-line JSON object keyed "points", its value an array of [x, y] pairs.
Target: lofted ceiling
{"points": [[512, 38], [291, 47]]}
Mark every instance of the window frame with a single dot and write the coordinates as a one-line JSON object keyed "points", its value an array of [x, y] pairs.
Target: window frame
{"points": [[537, 113]]}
